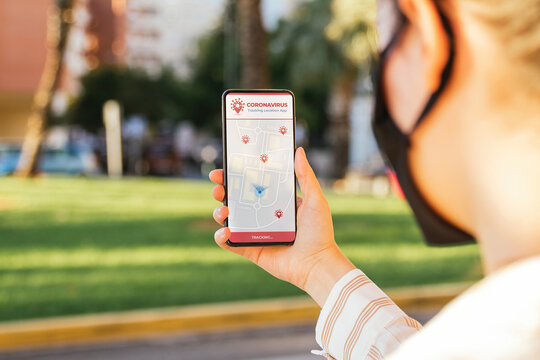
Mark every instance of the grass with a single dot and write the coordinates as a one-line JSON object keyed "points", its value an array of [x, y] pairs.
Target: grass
{"points": [[72, 246]]}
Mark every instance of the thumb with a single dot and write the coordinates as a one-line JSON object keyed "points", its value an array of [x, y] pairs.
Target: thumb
{"points": [[305, 175]]}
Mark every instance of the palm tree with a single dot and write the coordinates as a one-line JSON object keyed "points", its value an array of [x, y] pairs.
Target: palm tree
{"points": [[253, 45], [334, 41], [353, 28], [57, 32]]}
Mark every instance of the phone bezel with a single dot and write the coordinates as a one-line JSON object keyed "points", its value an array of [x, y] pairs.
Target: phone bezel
{"points": [[224, 140]]}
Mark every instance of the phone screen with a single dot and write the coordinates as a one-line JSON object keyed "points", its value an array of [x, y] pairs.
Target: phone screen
{"points": [[259, 144]]}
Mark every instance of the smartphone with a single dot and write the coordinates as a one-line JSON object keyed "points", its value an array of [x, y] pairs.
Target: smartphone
{"points": [[258, 163]]}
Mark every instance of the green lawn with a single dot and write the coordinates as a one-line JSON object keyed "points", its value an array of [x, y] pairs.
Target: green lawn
{"points": [[71, 246]]}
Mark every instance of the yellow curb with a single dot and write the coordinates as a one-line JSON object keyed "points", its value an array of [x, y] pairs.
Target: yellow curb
{"points": [[426, 296], [194, 318]]}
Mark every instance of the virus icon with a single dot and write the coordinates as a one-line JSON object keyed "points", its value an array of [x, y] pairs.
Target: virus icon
{"points": [[283, 130], [245, 139], [259, 190], [264, 158], [237, 105], [278, 213]]}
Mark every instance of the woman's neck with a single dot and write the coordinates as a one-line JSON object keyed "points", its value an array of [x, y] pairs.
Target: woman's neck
{"points": [[504, 175]]}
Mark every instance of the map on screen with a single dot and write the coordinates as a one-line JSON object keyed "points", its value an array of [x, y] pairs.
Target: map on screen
{"points": [[260, 163]]}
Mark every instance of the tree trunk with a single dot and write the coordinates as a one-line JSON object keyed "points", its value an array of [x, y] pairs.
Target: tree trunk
{"points": [[253, 45], [57, 30], [339, 108]]}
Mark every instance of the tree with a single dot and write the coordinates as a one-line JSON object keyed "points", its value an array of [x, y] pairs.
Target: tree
{"points": [[319, 48], [205, 83], [253, 45], [57, 32], [352, 28], [155, 97], [305, 61], [164, 96]]}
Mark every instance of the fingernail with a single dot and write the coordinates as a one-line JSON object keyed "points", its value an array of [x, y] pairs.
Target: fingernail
{"points": [[220, 232], [217, 212]]}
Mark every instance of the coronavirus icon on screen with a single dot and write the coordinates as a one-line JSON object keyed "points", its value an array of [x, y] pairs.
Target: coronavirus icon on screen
{"points": [[237, 105], [264, 158], [283, 130], [278, 213], [245, 139]]}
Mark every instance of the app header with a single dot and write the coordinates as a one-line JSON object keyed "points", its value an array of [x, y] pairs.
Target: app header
{"points": [[259, 106]]}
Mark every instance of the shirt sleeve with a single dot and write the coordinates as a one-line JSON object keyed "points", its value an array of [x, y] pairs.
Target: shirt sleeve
{"points": [[358, 321]]}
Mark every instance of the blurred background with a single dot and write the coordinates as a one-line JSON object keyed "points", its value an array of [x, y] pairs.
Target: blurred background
{"points": [[110, 120]]}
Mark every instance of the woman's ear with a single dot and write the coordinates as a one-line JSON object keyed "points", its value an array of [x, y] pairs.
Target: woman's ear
{"points": [[424, 17]]}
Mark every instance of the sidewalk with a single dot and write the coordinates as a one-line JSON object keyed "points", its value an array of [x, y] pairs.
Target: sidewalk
{"points": [[198, 320], [292, 342]]}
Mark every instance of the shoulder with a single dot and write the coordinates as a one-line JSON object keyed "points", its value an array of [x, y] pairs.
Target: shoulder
{"points": [[498, 318]]}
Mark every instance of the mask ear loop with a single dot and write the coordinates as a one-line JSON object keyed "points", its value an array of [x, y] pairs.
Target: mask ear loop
{"points": [[383, 55], [380, 108], [445, 75]]}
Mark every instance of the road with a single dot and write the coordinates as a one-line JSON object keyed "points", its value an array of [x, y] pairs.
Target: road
{"points": [[276, 343]]}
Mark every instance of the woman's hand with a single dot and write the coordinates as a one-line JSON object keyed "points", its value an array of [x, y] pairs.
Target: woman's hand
{"points": [[314, 263]]}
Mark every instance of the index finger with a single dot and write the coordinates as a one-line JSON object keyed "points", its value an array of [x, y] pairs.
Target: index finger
{"points": [[216, 176]]}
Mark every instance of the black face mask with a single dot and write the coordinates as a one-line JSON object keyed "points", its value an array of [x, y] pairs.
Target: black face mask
{"points": [[394, 145]]}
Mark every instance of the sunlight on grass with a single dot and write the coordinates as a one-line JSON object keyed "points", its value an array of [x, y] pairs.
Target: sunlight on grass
{"points": [[114, 257], [77, 245]]}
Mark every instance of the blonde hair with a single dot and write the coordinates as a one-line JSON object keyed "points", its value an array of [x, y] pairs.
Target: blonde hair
{"points": [[516, 24]]}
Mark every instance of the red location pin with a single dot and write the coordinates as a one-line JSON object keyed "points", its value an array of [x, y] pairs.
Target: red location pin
{"points": [[283, 130], [245, 139], [264, 158], [278, 213]]}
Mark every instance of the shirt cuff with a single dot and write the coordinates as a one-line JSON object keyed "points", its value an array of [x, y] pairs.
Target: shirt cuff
{"points": [[359, 320], [335, 302]]}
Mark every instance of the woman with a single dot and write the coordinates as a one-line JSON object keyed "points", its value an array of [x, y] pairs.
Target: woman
{"points": [[458, 119]]}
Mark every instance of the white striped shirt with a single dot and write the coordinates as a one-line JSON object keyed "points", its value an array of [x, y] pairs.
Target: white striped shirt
{"points": [[498, 318], [358, 321]]}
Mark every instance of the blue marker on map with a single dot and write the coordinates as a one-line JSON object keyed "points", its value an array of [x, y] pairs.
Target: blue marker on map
{"points": [[259, 190]]}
